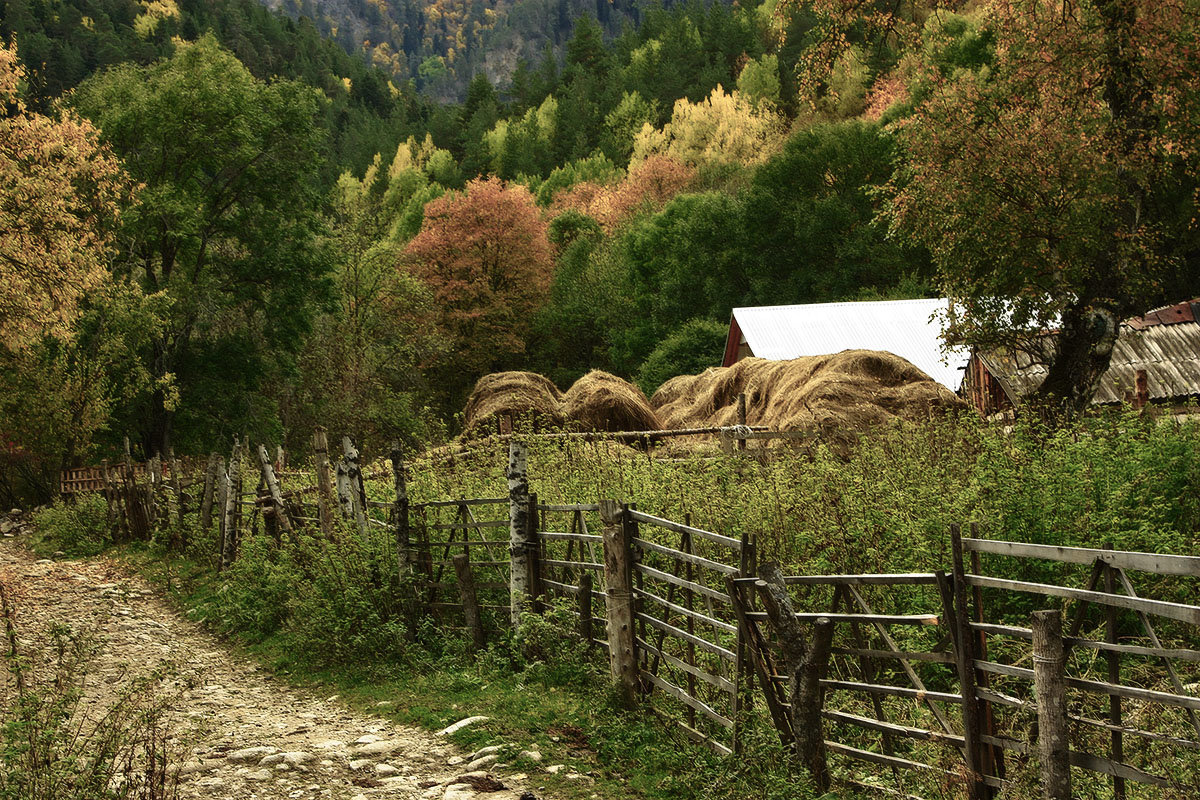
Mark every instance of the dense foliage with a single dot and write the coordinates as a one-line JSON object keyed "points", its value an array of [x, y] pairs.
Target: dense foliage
{"points": [[316, 240]]}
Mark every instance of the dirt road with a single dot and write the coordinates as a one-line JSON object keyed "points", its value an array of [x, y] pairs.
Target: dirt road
{"points": [[241, 733]]}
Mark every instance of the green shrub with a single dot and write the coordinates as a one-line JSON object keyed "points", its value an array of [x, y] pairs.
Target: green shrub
{"points": [[351, 607], [77, 528], [697, 345], [549, 649], [256, 592]]}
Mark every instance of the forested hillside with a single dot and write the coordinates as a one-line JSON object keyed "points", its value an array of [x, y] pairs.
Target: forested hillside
{"points": [[272, 234]]}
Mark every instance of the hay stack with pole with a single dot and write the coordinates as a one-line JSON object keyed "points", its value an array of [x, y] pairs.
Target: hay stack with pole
{"points": [[600, 401], [528, 398]]}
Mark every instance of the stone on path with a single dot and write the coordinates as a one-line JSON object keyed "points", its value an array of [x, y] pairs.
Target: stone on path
{"points": [[462, 723]]}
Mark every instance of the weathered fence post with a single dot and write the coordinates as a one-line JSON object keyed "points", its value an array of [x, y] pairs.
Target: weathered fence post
{"points": [[1116, 741], [358, 492], [618, 580], [345, 498], [742, 678], [154, 468], [965, 661], [222, 489], [585, 608], [469, 598], [401, 509], [518, 527], [324, 489], [1049, 663], [210, 487], [533, 555], [228, 516], [268, 473], [741, 417], [806, 664]]}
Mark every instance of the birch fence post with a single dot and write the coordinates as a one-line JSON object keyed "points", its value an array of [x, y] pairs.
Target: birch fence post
{"points": [[268, 473], [518, 528], [618, 580], [324, 490], [228, 515], [177, 487], [470, 599], [154, 468], [1054, 747]]}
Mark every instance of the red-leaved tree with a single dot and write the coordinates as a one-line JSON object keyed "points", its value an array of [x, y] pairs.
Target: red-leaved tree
{"points": [[486, 256]]}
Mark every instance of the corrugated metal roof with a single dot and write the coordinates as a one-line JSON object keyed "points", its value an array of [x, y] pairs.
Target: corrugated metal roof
{"points": [[1169, 353], [909, 328]]}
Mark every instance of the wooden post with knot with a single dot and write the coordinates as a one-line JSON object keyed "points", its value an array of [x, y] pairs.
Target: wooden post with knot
{"points": [[1049, 663], [806, 663], [618, 580], [324, 485]]}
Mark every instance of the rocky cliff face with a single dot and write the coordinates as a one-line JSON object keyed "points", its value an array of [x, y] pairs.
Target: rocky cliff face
{"points": [[441, 44]]}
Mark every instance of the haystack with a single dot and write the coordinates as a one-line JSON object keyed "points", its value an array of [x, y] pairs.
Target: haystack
{"points": [[600, 401], [525, 396], [847, 391]]}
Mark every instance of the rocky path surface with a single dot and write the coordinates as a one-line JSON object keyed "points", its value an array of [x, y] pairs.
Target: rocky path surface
{"points": [[241, 733]]}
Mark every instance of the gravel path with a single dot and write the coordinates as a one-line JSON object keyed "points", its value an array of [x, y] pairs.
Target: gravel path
{"points": [[242, 733]]}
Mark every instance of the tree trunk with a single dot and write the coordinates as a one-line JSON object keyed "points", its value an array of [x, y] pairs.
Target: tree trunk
{"points": [[1082, 352]]}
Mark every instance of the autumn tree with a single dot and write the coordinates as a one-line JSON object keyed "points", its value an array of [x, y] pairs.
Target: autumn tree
{"points": [[228, 227], [724, 128], [486, 257], [60, 190], [1056, 190]]}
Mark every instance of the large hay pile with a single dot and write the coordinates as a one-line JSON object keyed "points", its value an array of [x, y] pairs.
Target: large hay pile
{"points": [[596, 402], [600, 401], [524, 396], [846, 391]]}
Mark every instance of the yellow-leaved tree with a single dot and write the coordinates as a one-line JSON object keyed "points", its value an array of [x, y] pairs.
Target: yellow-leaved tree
{"points": [[724, 128], [59, 190]]}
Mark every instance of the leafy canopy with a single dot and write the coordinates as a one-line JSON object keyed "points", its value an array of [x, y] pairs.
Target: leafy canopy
{"points": [[61, 190]]}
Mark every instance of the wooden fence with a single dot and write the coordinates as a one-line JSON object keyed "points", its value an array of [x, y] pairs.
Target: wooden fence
{"points": [[953, 682]]}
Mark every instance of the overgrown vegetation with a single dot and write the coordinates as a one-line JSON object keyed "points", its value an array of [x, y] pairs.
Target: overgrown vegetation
{"points": [[335, 610], [59, 741]]}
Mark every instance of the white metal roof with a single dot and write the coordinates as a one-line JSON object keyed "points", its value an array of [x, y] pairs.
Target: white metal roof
{"points": [[909, 328]]}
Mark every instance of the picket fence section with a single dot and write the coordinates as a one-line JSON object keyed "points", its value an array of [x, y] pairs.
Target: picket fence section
{"points": [[938, 698]]}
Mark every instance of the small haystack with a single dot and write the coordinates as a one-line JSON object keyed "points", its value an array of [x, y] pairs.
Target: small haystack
{"points": [[525, 396], [847, 391], [600, 401]]}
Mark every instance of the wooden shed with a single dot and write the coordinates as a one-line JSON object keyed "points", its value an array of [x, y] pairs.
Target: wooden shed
{"points": [[1156, 360]]}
